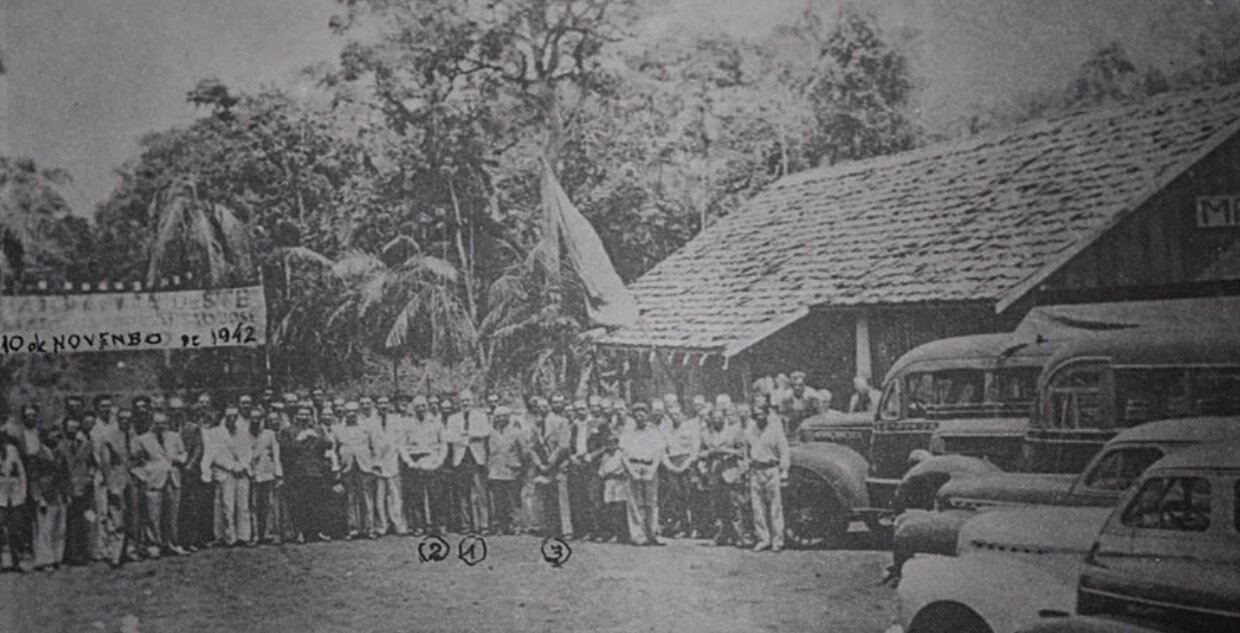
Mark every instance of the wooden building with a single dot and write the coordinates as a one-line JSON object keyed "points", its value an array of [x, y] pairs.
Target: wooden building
{"points": [[838, 271]]}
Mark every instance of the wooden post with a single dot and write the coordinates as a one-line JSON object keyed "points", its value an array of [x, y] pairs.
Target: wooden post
{"points": [[864, 364]]}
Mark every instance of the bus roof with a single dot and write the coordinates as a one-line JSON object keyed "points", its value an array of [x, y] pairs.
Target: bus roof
{"points": [[1152, 348], [976, 351]]}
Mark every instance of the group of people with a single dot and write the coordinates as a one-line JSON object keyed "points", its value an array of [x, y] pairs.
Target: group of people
{"points": [[163, 477]]}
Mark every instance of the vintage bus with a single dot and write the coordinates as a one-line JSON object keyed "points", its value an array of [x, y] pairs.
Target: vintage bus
{"points": [[1094, 386]]}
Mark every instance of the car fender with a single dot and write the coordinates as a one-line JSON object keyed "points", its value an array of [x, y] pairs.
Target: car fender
{"points": [[1003, 590], [842, 468], [920, 485]]}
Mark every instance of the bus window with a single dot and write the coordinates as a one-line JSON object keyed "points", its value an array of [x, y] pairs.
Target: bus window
{"points": [[1215, 391], [1075, 398], [1143, 395], [942, 391], [1014, 389], [890, 407]]}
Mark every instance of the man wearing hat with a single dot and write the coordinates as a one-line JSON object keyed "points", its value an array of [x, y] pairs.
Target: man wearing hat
{"points": [[801, 402], [644, 451], [387, 438], [506, 457], [357, 471], [227, 461], [468, 431], [767, 450]]}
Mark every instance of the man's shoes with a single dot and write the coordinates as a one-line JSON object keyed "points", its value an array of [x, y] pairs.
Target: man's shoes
{"points": [[761, 547], [656, 543], [775, 549], [175, 550]]}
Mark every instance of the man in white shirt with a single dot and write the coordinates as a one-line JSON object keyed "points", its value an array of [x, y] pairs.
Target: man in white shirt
{"points": [[389, 430], [468, 431], [227, 456], [644, 450], [767, 449], [684, 440], [423, 454]]}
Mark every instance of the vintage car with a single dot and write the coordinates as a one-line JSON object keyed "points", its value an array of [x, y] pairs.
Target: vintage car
{"points": [[1112, 471], [1014, 564], [1168, 558], [825, 460]]}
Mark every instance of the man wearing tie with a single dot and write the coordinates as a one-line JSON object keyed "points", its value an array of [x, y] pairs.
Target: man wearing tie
{"points": [[468, 431], [158, 454]]}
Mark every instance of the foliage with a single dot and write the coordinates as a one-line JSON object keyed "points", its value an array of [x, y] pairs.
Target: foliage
{"points": [[36, 229], [397, 212], [861, 91]]}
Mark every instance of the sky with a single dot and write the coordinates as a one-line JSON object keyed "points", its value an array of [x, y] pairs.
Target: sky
{"points": [[87, 78]]}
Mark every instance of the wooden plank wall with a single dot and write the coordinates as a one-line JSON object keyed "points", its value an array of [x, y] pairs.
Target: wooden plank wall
{"points": [[1160, 245]]}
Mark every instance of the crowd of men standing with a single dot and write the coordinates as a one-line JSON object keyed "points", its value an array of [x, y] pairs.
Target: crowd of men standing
{"points": [[163, 477]]}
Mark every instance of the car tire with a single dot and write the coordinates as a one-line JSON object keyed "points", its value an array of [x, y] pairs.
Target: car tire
{"points": [[813, 517], [948, 617]]}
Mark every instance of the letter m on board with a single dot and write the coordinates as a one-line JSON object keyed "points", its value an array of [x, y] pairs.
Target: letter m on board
{"points": [[1214, 211]]}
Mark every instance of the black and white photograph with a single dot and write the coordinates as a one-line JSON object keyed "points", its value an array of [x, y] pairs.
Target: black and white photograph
{"points": [[635, 316]]}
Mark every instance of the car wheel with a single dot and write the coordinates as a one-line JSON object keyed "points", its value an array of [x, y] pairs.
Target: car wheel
{"points": [[812, 516], [948, 617]]}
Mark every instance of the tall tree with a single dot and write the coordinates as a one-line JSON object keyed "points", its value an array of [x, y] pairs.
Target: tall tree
{"points": [[862, 88]]}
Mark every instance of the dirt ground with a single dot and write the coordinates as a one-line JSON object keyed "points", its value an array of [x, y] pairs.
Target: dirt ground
{"points": [[687, 586]]}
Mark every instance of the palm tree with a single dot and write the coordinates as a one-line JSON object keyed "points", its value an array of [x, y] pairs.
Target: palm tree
{"points": [[532, 326], [195, 234], [412, 299]]}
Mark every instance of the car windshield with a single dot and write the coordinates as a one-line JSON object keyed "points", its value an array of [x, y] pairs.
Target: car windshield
{"points": [[1119, 468]]}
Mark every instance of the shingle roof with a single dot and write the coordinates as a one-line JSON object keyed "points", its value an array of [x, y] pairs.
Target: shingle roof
{"points": [[968, 220]]}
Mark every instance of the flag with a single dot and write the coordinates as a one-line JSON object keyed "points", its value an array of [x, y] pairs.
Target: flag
{"points": [[608, 302]]}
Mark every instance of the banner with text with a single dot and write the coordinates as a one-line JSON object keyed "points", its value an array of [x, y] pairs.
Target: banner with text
{"points": [[176, 319]]}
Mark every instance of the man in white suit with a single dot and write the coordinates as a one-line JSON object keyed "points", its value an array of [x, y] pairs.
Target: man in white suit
{"points": [[227, 457], [468, 431], [158, 454]]}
